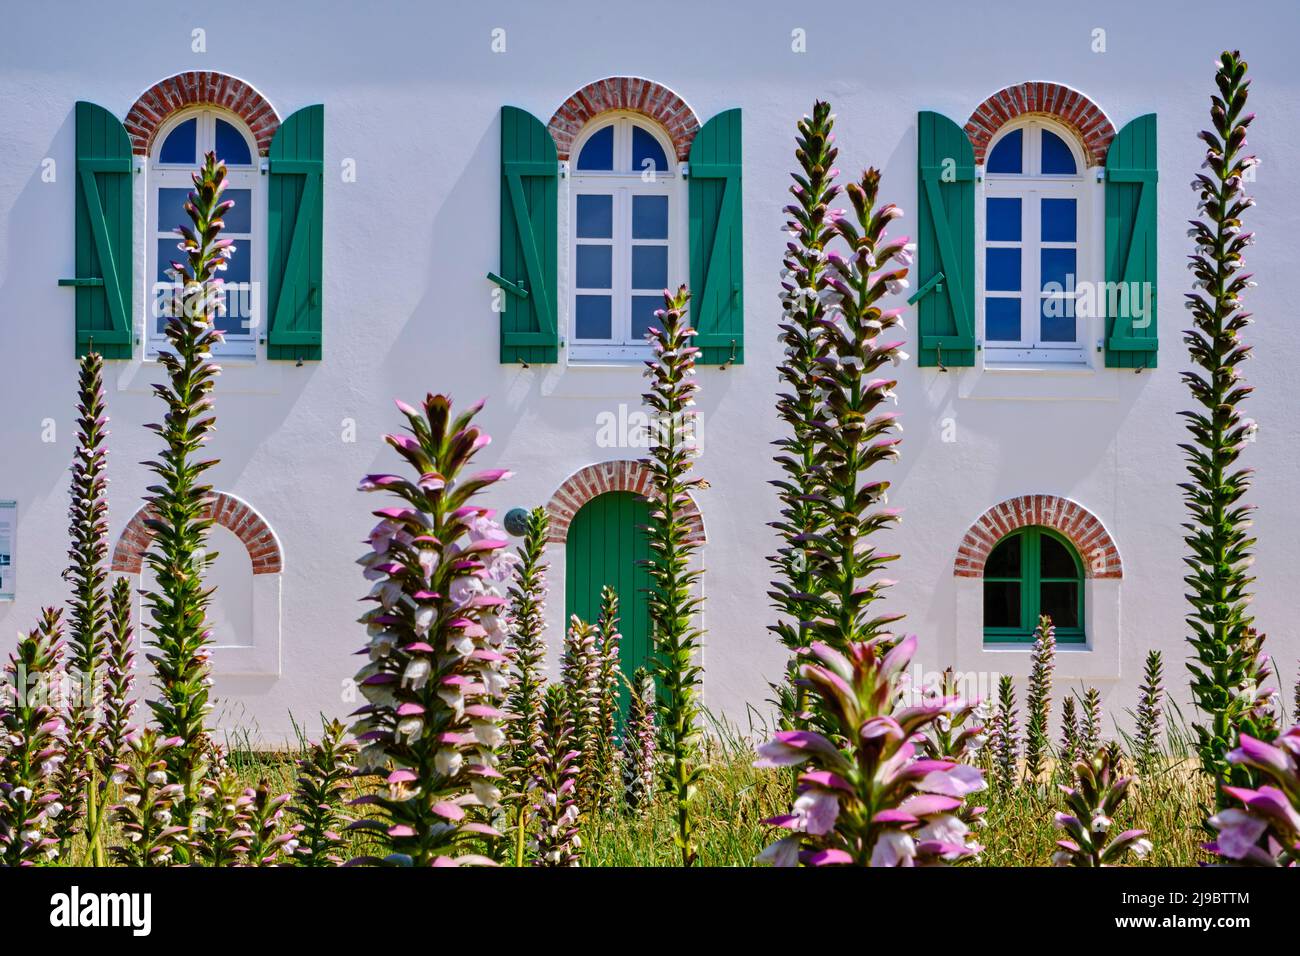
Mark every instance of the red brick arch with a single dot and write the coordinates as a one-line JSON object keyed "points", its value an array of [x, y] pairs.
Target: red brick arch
{"points": [[1063, 104], [1071, 519], [625, 93], [226, 510], [597, 479], [200, 88]]}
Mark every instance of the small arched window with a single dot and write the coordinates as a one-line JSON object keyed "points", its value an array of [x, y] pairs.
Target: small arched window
{"points": [[178, 150], [1031, 572], [1037, 252], [626, 241]]}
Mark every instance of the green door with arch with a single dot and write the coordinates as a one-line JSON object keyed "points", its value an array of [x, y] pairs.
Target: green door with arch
{"points": [[605, 546]]}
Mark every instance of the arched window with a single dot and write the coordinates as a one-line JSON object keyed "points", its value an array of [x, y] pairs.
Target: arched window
{"points": [[1030, 572], [626, 237], [1037, 250], [178, 150]]}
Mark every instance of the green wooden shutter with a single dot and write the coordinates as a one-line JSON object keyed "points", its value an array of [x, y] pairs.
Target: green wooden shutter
{"points": [[605, 546], [717, 262], [529, 239], [1129, 298], [103, 234], [944, 275], [295, 221]]}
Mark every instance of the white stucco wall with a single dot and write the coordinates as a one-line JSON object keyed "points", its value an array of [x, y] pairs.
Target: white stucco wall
{"points": [[413, 94]]}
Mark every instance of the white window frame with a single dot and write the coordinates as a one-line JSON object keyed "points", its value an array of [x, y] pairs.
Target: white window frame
{"points": [[1031, 186], [178, 176], [623, 184]]}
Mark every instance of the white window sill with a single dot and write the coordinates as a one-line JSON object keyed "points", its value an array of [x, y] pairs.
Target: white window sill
{"points": [[1025, 381], [1097, 659], [240, 374]]}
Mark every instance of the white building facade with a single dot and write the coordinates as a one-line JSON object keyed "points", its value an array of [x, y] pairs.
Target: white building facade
{"points": [[487, 202]]}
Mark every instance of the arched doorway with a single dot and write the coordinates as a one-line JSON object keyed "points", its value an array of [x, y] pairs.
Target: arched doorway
{"points": [[605, 545]]}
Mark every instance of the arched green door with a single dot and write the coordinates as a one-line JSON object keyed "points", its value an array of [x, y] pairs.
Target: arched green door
{"points": [[606, 541]]}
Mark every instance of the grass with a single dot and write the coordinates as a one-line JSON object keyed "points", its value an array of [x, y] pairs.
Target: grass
{"points": [[735, 798]]}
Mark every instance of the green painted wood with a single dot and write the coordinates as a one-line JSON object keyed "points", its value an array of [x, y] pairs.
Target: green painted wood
{"points": [[717, 274], [530, 239], [606, 545], [945, 242], [295, 234], [1131, 327], [1029, 540], [102, 224]]}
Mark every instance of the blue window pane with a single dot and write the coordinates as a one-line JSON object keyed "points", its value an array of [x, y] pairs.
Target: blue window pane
{"points": [[1060, 220], [1007, 154], [1058, 319], [179, 146], [649, 267], [239, 303], [595, 217], [598, 152], [239, 217], [1003, 220], [167, 252], [646, 147], [595, 267], [592, 317], [171, 209], [231, 146], [1002, 270], [1002, 320], [1058, 270], [1057, 158], [649, 217], [163, 292], [643, 313]]}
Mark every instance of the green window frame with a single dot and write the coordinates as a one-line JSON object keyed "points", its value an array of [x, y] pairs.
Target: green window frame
{"points": [[1024, 572]]}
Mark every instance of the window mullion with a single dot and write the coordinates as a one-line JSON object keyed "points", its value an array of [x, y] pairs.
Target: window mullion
{"points": [[622, 253], [1031, 599]]}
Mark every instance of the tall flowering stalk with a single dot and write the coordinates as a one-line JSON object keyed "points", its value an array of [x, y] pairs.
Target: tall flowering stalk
{"points": [[1261, 825], [179, 503], [317, 807], [1070, 749], [1088, 817], [527, 668], [555, 805], [609, 756], [1038, 700], [1090, 723], [640, 743], [1226, 670], [146, 814], [852, 428], [1150, 711], [31, 748], [119, 667], [802, 287], [434, 673], [269, 843], [864, 798], [527, 641], [1005, 736], [580, 673], [958, 734], [674, 599], [88, 617], [222, 838]]}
